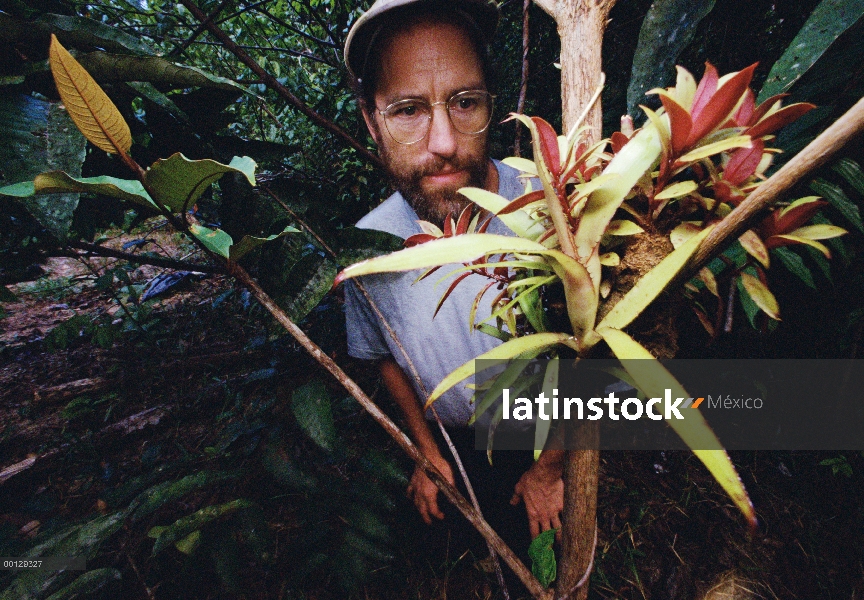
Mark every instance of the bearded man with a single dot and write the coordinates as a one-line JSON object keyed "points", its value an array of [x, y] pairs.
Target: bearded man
{"points": [[421, 69]]}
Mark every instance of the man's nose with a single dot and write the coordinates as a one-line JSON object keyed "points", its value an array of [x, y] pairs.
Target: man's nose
{"points": [[442, 134]]}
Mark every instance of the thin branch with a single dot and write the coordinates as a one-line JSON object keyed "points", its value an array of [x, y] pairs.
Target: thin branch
{"points": [[156, 261], [523, 88], [290, 27], [280, 89], [200, 29], [272, 49]]}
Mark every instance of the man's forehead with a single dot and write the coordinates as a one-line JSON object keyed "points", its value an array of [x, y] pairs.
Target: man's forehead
{"points": [[429, 53]]}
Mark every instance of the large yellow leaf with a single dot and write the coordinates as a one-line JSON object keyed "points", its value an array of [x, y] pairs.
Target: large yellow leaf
{"points": [[90, 108], [501, 354], [741, 141], [653, 379]]}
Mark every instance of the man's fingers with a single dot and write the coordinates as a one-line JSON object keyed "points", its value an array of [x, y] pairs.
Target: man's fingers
{"points": [[535, 529]]}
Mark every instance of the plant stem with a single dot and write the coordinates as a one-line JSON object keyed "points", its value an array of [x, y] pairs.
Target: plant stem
{"points": [[156, 261]]}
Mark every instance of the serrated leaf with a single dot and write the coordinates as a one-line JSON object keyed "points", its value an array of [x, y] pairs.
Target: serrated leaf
{"points": [[543, 564], [761, 295], [183, 526], [651, 284], [503, 353], [311, 407], [89, 106], [179, 182], [653, 380], [825, 24]]}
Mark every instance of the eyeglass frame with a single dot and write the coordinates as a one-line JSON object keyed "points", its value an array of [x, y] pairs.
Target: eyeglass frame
{"points": [[432, 105]]}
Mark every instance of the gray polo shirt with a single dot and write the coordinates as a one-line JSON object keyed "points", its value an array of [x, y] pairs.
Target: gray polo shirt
{"points": [[436, 346]]}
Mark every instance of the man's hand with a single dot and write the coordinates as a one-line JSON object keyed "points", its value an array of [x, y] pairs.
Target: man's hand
{"points": [[424, 492], [542, 490]]}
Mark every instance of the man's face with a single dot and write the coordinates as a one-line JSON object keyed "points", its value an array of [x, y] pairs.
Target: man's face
{"points": [[431, 61]]}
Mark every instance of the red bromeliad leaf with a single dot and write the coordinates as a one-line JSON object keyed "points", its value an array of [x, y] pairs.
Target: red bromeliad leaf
{"points": [[449, 291], [618, 140], [548, 146], [779, 119], [707, 87], [485, 225], [464, 221], [784, 221], [724, 192], [743, 163], [745, 111], [680, 124], [720, 105], [472, 314], [764, 107], [418, 238], [522, 201]]}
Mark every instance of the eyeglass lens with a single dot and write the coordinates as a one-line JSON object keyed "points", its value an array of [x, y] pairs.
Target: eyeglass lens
{"points": [[408, 121]]}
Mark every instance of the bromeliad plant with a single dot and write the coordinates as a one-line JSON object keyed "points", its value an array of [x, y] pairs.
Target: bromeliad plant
{"points": [[655, 194]]}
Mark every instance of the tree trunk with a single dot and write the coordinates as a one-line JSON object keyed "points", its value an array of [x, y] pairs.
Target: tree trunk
{"points": [[581, 24]]}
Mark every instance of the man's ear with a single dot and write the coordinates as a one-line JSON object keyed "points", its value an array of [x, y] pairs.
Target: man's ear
{"points": [[371, 124]]}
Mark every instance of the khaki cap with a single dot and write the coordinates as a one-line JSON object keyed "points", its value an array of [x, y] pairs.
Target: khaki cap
{"points": [[484, 13]]}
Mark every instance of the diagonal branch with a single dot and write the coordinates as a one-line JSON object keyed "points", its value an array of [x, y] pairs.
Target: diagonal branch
{"points": [[280, 89], [156, 261], [816, 154], [199, 30]]}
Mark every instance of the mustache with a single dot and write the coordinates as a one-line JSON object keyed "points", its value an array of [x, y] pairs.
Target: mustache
{"points": [[435, 166]]}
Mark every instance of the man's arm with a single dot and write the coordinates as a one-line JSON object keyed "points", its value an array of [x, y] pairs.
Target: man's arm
{"points": [[542, 490], [421, 490]]}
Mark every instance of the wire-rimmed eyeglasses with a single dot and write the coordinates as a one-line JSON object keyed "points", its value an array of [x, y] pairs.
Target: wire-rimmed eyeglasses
{"points": [[408, 121]]}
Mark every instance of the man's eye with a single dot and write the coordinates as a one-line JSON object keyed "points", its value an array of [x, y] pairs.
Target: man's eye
{"points": [[467, 103], [407, 110]]}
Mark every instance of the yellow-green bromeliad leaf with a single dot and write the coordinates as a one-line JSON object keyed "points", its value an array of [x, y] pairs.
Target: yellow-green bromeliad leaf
{"points": [[653, 379]]}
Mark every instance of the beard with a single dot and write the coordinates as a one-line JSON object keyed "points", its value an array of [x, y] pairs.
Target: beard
{"points": [[435, 206]]}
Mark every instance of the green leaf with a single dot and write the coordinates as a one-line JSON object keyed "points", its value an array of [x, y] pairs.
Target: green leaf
{"points": [[519, 222], [158, 71], [81, 31], [58, 182], [851, 172], [667, 29], [40, 136], [216, 240], [360, 244], [250, 242], [186, 525], [541, 427], [88, 585], [839, 200], [825, 24], [543, 564], [651, 284], [795, 265], [751, 309], [676, 190], [507, 351], [178, 182], [306, 284], [311, 407], [151, 500], [505, 379], [653, 380]]}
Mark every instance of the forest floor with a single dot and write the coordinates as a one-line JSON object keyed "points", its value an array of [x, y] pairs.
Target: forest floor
{"points": [[196, 383]]}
